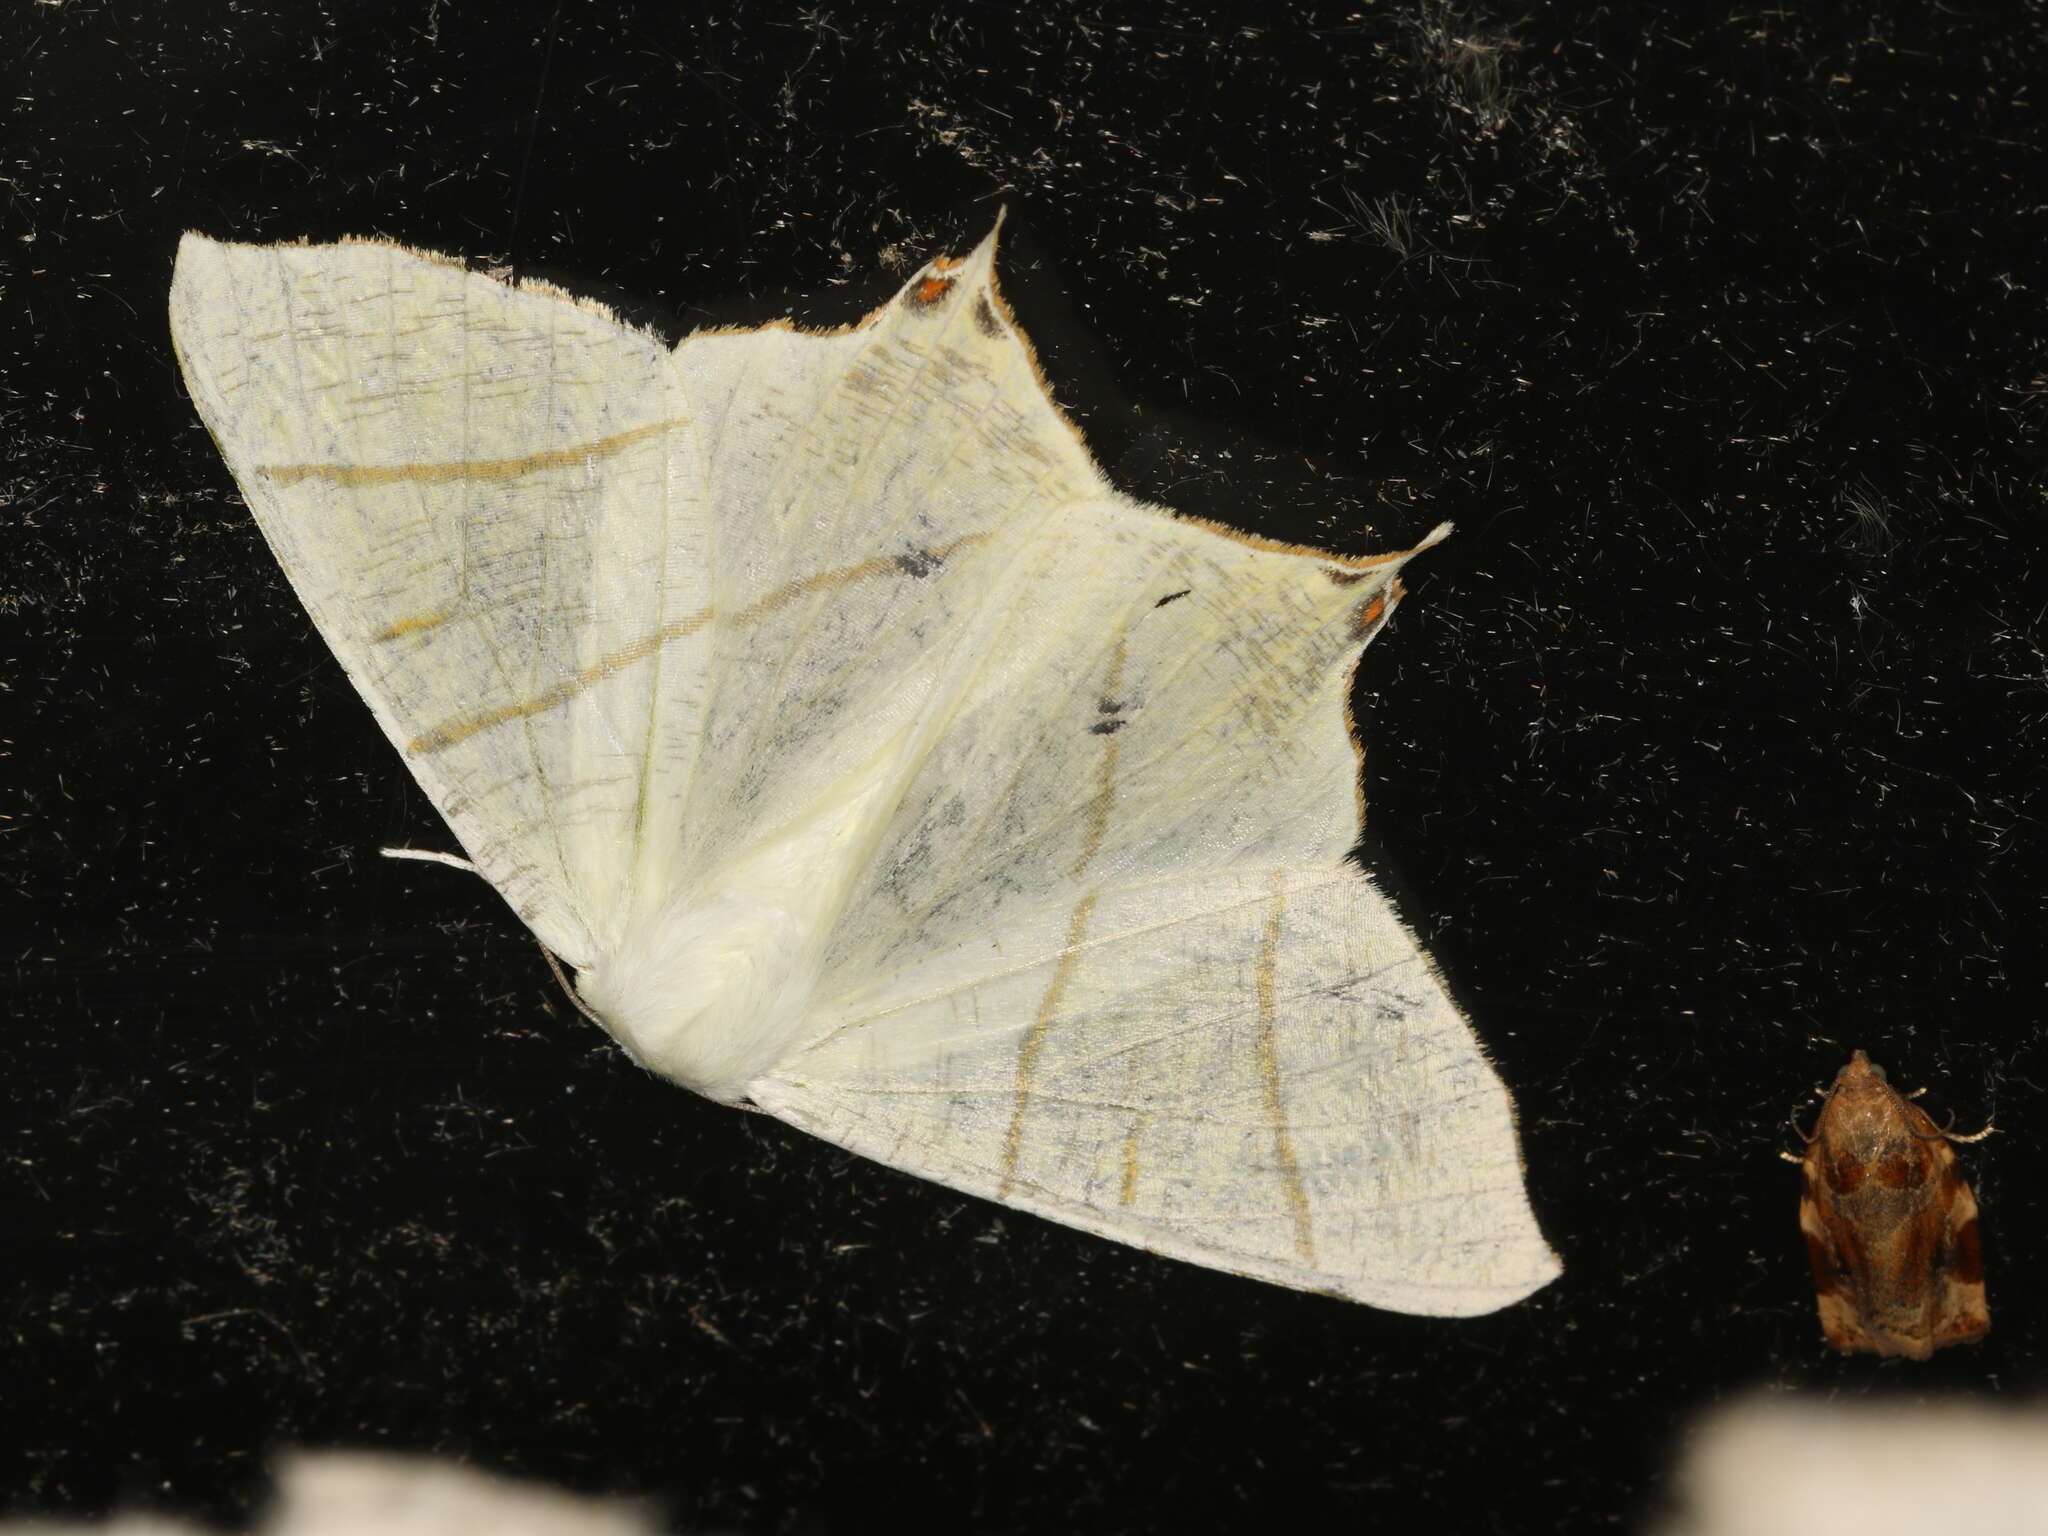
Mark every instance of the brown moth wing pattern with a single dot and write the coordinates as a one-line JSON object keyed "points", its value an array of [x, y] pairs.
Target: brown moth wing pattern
{"points": [[1890, 1223]]}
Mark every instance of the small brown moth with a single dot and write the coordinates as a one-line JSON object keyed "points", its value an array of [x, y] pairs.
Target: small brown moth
{"points": [[1890, 1224]]}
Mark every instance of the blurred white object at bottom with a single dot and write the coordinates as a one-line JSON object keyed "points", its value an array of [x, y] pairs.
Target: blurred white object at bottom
{"points": [[1770, 1465], [368, 1494]]}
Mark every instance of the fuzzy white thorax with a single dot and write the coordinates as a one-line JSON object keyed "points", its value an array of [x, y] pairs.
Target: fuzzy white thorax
{"points": [[711, 988]]}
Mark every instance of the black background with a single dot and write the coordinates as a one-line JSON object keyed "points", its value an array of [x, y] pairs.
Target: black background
{"points": [[1707, 750]]}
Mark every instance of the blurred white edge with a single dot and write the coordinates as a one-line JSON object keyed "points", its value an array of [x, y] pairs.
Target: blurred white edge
{"points": [[1779, 1465], [348, 1493], [1765, 1465]]}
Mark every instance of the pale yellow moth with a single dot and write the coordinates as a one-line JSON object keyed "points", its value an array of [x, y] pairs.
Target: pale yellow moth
{"points": [[872, 760]]}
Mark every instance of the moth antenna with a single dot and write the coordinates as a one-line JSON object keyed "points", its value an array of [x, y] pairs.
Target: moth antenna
{"points": [[568, 991], [1793, 1118], [1947, 1132], [429, 856]]}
